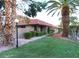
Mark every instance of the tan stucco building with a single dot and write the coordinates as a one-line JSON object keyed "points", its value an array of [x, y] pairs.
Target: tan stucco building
{"points": [[27, 25]]}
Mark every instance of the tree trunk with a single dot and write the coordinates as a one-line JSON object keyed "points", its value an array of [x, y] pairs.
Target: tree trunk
{"points": [[7, 23], [13, 17], [10, 9], [0, 23], [65, 20]]}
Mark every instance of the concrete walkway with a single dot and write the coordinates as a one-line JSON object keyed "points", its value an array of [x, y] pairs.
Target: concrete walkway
{"points": [[20, 43]]}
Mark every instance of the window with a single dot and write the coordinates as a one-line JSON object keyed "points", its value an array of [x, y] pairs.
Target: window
{"points": [[21, 26], [35, 28], [41, 28]]}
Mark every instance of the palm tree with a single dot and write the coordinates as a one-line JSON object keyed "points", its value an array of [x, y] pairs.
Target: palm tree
{"points": [[9, 22], [64, 8]]}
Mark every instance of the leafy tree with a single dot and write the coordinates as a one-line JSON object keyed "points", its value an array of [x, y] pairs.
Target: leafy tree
{"points": [[64, 8], [1, 3], [35, 7]]}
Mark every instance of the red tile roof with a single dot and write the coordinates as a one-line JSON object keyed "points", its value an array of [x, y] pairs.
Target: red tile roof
{"points": [[23, 21], [38, 22]]}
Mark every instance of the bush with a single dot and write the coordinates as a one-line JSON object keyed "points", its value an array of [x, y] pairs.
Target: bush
{"points": [[40, 33], [28, 35], [51, 32], [43, 33], [33, 33], [37, 33]]}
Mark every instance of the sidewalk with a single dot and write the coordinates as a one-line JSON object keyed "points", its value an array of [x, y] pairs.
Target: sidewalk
{"points": [[20, 43]]}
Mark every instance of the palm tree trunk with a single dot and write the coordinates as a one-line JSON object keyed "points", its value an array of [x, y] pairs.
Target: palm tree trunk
{"points": [[65, 20], [7, 24], [10, 9], [0, 23], [13, 17]]}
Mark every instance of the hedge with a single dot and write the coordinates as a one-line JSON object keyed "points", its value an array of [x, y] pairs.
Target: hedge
{"points": [[28, 35], [31, 34]]}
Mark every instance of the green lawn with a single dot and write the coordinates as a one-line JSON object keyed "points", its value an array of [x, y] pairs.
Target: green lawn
{"points": [[46, 47]]}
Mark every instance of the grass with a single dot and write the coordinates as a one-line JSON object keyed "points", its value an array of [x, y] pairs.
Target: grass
{"points": [[45, 48]]}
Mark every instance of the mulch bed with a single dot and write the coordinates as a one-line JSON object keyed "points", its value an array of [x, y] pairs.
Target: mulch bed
{"points": [[57, 35]]}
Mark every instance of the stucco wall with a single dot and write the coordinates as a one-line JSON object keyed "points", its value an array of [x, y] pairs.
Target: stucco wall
{"points": [[21, 31]]}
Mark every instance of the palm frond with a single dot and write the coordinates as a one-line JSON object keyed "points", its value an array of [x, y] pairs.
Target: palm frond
{"points": [[51, 7], [52, 10], [76, 2], [73, 22], [54, 2], [73, 18], [73, 4], [62, 1], [59, 13]]}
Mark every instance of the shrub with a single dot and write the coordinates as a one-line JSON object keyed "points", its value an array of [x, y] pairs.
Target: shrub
{"points": [[33, 33], [40, 33], [51, 32], [43, 33], [28, 35], [37, 33]]}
